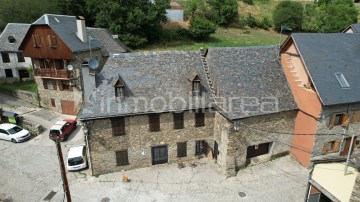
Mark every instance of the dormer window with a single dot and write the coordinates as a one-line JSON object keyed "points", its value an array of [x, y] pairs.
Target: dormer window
{"points": [[119, 89], [196, 87], [11, 39]]}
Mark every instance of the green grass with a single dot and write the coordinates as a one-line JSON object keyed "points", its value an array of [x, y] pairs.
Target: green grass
{"points": [[21, 85], [224, 37]]}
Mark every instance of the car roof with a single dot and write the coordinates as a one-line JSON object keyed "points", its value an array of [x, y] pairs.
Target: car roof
{"points": [[7, 126], [56, 127], [76, 151], [60, 123]]}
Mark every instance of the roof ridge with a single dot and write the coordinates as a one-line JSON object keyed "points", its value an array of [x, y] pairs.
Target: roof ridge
{"points": [[147, 53]]}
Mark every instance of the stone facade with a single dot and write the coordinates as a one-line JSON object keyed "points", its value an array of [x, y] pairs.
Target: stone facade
{"points": [[327, 134], [275, 129], [77, 92], [138, 141], [355, 195]]}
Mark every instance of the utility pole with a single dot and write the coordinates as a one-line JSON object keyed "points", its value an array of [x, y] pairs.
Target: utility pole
{"points": [[349, 152], [62, 168]]}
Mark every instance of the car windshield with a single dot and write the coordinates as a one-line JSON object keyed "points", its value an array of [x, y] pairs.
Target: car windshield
{"points": [[14, 130], [54, 132], [75, 161]]}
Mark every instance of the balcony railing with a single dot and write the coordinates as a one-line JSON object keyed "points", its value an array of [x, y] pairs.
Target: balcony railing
{"points": [[56, 73]]}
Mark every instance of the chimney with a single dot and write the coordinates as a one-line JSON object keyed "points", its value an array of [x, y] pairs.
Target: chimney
{"points": [[81, 28]]}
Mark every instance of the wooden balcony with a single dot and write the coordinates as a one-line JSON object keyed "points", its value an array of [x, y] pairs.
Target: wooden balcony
{"points": [[53, 73]]}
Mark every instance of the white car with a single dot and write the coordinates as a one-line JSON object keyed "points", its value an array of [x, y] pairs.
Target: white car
{"points": [[77, 159], [13, 133]]}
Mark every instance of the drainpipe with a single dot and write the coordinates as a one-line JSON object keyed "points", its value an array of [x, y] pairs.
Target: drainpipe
{"points": [[86, 137], [308, 185]]}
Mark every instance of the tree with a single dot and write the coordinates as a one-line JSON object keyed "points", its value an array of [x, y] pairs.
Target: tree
{"points": [[224, 11], [288, 13], [137, 22], [201, 28], [330, 16]]}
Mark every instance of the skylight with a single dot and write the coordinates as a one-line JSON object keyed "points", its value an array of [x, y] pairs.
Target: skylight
{"points": [[342, 80]]}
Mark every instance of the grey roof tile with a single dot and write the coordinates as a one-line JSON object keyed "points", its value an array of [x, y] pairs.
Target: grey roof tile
{"points": [[18, 31], [249, 78], [110, 44], [327, 54]]}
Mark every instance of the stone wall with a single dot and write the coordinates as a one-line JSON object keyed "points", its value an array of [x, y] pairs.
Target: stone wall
{"points": [[355, 195], [275, 128], [34, 129], [27, 96], [326, 134], [103, 144]]}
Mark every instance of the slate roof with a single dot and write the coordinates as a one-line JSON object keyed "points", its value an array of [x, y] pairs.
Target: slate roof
{"points": [[247, 74], [327, 54], [65, 27], [154, 77], [354, 27], [111, 44], [18, 31]]}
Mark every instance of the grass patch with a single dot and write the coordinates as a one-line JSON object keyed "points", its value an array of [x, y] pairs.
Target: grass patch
{"points": [[223, 37], [29, 85]]}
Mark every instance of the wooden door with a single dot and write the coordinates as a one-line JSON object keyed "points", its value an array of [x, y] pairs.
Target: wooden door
{"points": [[68, 107]]}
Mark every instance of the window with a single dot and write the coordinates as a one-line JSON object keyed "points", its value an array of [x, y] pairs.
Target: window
{"points": [[52, 41], [49, 84], [199, 119], [200, 147], [257, 150], [355, 117], [178, 120], [181, 149], [331, 147], [64, 85], [122, 158], [339, 119], [36, 41], [196, 87], [118, 126], [5, 57], [154, 122], [8, 73], [20, 57], [11, 39], [52, 102], [119, 89]]}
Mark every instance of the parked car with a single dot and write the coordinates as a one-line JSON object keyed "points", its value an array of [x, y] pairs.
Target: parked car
{"points": [[77, 158], [13, 133], [62, 129]]}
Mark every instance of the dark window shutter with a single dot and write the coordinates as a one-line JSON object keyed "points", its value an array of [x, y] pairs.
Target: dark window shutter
{"points": [[118, 126], [199, 119], [54, 84], [178, 120], [154, 122], [181, 149], [122, 158], [45, 84]]}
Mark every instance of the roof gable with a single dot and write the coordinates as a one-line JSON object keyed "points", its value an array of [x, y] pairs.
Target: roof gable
{"points": [[15, 30]]}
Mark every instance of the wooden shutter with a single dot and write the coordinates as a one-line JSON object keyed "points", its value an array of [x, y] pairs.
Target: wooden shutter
{"points": [[60, 85], [54, 84], [181, 149], [178, 120], [154, 122], [118, 126], [122, 158], [45, 84], [49, 40], [53, 42], [345, 119], [199, 119], [332, 119], [34, 41], [52, 102], [355, 117]]}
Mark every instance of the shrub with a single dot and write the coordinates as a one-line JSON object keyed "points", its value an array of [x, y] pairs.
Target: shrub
{"points": [[250, 2], [201, 28], [251, 21], [265, 23], [288, 13]]}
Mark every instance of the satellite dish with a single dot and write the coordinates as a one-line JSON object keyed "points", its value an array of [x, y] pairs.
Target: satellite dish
{"points": [[93, 63], [69, 67]]}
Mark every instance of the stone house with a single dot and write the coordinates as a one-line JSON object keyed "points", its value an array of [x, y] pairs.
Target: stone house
{"points": [[160, 107], [64, 54], [13, 65], [322, 70]]}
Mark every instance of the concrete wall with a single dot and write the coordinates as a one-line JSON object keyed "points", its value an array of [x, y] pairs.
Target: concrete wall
{"points": [[138, 138], [276, 128], [336, 132], [14, 65]]}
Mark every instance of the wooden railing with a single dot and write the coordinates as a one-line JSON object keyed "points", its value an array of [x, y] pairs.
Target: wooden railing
{"points": [[56, 73]]}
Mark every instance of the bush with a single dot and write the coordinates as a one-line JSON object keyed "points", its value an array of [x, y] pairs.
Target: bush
{"points": [[288, 13], [201, 28], [265, 23], [251, 21], [250, 2]]}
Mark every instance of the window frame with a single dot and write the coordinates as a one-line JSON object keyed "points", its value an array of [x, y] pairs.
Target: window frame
{"points": [[118, 126], [5, 57], [181, 149], [122, 157], [9, 73], [178, 119], [154, 122], [20, 57], [199, 119]]}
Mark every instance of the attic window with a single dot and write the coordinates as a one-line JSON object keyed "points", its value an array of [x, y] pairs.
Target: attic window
{"points": [[119, 89], [52, 41], [342, 80], [36, 41], [11, 39], [196, 85]]}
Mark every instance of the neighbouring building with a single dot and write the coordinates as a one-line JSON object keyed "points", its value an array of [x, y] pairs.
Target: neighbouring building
{"points": [[13, 65], [175, 12], [330, 180], [353, 28], [323, 70], [160, 107], [65, 56]]}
